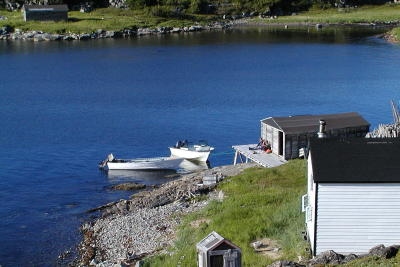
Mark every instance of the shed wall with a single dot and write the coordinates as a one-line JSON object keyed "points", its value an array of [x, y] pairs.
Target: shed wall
{"points": [[271, 135], [45, 15], [294, 141], [310, 208], [353, 218], [275, 140]]}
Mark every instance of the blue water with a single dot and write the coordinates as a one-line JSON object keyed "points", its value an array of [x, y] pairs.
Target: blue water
{"points": [[66, 105]]}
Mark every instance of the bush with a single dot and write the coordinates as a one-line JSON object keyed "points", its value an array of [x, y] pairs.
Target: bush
{"points": [[198, 6]]}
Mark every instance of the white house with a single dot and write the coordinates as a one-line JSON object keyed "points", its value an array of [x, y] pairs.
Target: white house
{"points": [[353, 196]]}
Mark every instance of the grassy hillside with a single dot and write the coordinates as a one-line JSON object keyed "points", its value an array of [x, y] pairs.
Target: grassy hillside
{"points": [[260, 203]]}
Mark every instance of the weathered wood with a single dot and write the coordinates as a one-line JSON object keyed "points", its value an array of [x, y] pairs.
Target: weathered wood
{"points": [[388, 130], [385, 131], [258, 156], [396, 113]]}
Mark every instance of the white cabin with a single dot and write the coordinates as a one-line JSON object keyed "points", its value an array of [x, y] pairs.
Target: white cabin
{"points": [[353, 195]]}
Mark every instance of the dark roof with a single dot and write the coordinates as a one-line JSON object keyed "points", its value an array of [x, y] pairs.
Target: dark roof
{"points": [[46, 8], [310, 123], [359, 160]]}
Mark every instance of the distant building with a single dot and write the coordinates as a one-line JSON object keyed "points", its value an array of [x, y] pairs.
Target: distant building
{"points": [[353, 194], [45, 12], [287, 135]]}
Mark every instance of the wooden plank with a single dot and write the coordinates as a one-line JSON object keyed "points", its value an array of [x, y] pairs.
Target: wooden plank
{"points": [[258, 156]]}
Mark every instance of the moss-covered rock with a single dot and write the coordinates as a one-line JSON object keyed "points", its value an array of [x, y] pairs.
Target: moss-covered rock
{"points": [[128, 186]]}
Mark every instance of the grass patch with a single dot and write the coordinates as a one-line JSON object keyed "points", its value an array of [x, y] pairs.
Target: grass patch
{"points": [[111, 19], [118, 19], [375, 262], [259, 203], [365, 14], [396, 34]]}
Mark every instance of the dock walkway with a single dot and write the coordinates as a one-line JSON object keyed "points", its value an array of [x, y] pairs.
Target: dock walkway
{"points": [[257, 156]]}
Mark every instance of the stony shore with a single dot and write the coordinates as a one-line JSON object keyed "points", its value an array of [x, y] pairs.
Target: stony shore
{"points": [[129, 230], [126, 231], [7, 33]]}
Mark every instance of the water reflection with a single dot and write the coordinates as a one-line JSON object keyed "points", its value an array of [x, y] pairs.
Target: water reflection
{"points": [[190, 166], [237, 35], [145, 177], [151, 177]]}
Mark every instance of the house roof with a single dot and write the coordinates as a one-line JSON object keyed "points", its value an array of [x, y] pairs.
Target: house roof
{"points": [[212, 241], [42, 8], [358, 160], [310, 123]]}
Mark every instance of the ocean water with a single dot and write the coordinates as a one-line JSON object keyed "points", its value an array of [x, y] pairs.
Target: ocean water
{"points": [[66, 105]]}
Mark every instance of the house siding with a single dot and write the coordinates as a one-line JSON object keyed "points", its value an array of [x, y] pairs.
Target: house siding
{"points": [[270, 134], [275, 141], [310, 212], [353, 218]]}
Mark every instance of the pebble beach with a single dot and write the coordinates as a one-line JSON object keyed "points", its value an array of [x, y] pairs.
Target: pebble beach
{"points": [[129, 230]]}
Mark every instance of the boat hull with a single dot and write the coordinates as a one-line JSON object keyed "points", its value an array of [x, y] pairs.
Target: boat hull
{"points": [[189, 154], [162, 163]]}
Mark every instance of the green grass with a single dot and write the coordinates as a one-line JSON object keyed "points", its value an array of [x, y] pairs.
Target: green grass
{"points": [[118, 19], [396, 34], [260, 203], [375, 262], [365, 14], [111, 19], [389, 13]]}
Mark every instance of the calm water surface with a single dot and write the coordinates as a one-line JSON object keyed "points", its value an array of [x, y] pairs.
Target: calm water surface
{"points": [[66, 105]]}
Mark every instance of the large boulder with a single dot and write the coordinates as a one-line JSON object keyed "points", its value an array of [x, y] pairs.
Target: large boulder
{"points": [[6, 29], [284, 263], [328, 257], [384, 252], [128, 186]]}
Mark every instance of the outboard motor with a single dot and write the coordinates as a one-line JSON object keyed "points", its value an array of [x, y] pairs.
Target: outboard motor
{"points": [[178, 144], [103, 163]]}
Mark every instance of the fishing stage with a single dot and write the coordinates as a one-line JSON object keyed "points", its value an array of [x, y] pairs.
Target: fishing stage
{"points": [[244, 153]]}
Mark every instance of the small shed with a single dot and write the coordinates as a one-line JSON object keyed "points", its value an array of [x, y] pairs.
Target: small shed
{"points": [[287, 135], [216, 251], [45, 12], [353, 194]]}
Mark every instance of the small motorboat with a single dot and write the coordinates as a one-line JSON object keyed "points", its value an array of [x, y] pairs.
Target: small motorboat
{"points": [[193, 152], [158, 163]]}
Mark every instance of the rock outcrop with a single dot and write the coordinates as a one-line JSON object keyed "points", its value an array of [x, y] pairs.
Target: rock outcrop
{"points": [[7, 33], [333, 258]]}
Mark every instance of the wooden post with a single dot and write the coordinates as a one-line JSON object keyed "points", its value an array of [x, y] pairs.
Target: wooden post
{"points": [[235, 158]]}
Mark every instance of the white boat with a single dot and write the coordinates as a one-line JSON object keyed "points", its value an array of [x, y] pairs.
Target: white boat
{"points": [[193, 152], [158, 163]]}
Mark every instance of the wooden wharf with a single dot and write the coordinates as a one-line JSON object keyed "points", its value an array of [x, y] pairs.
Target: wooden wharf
{"points": [[257, 155]]}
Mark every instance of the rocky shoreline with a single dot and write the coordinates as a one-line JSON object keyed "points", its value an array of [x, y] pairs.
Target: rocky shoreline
{"points": [[7, 33], [10, 34], [129, 230]]}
